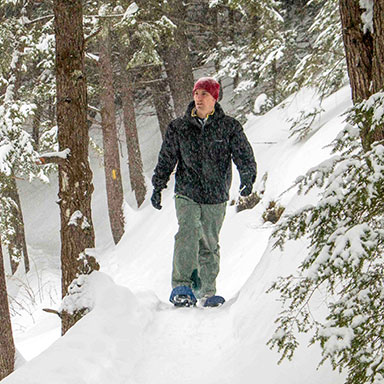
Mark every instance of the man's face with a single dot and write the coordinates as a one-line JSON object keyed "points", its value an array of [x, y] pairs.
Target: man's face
{"points": [[204, 102]]}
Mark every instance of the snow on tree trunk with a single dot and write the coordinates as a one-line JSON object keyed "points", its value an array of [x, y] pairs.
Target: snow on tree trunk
{"points": [[177, 61], [114, 184], [75, 176], [135, 162], [7, 346]]}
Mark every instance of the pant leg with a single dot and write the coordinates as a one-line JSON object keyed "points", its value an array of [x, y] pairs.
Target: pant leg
{"points": [[186, 249], [209, 251]]}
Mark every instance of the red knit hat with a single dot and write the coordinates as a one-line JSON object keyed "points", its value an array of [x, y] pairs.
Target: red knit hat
{"points": [[209, 84]]}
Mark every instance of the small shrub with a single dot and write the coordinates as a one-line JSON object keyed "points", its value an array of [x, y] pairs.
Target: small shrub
{"points": [[247, 202], [273, 212]]}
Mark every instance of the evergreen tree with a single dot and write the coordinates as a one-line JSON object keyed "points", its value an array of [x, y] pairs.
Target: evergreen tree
{"points": [[166, 20], [274, 48], [345, 228], [255, 55], [322, 60], [18, 156]]}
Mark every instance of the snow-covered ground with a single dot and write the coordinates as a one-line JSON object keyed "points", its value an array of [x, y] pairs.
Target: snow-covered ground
{"points": [[133, 335]]}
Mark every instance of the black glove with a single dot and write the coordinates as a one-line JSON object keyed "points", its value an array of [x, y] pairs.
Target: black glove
{"points": [[156, 199], [245, 189]]}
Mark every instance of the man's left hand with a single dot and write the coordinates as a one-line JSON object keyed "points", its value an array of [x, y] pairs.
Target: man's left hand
{"points": [[156, 199]]}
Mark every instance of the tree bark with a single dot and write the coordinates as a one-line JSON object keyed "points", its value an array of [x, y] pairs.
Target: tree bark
{"points": [[7, 345], [378, 46], [161, 100], [358, 50], [177, 61], [36, 125], [113, 180], [135, 162], [232, 38], [378, 58], [365, 58], [75, 176], [18, 245]]}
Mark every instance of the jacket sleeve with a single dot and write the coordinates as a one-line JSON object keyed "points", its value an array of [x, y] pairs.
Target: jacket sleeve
{"points": [[242, 155], [167, 159]]}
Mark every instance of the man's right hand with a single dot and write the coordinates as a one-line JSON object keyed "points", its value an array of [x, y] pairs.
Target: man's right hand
{"points": [[156, 199]]}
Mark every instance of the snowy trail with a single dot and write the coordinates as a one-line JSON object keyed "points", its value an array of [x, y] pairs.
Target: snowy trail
{"points": [[184, 345]]}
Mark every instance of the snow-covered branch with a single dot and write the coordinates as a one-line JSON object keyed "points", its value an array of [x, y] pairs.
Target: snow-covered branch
{"points": [[54, 157]]}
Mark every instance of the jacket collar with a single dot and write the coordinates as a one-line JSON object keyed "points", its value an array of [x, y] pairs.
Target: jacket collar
{"points": [[194, 114], [191, 116]]}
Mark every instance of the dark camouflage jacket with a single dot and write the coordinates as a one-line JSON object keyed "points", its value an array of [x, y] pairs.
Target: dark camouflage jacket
{"points": [[203, 157]]}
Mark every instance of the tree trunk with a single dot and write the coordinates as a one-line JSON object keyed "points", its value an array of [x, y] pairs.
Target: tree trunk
{"points": [[110, 142], [232, 38], [135, 162], [75, 176], [36, 125], [358, 50], [161, 100], [177, 61], [365, 58], [378, 58], [7, 345], [378, 46], [18, 246]]}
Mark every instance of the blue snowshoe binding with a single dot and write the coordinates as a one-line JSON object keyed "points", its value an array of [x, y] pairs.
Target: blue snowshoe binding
{"points": [[214, 301], [182, 296]]}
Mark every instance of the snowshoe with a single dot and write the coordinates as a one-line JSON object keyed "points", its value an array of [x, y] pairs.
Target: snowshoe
{"points": [[182, 296], [213, 301]]}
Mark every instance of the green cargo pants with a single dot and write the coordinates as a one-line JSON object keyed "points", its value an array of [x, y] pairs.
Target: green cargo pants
{"points": [[196, 258]]}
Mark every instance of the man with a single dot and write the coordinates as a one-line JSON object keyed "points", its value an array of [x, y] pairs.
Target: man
{"points": [[202, 145]]}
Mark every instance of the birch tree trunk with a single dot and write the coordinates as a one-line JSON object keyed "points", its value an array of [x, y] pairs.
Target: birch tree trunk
{"points": [[7, 345], [112, 170], [75, 176]]}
